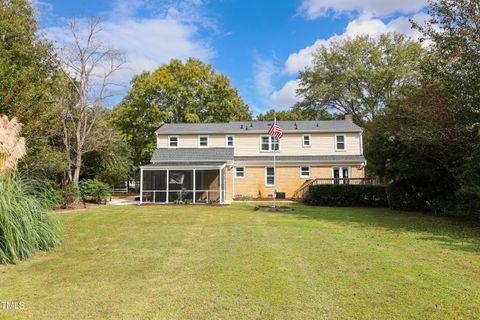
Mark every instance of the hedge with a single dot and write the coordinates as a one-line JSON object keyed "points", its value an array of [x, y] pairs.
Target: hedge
{"points": [[345, 195]]}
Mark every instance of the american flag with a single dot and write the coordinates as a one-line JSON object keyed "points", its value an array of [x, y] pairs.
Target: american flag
{"points": [[275, 131]]}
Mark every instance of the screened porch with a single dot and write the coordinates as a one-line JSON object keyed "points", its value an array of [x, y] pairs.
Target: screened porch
{"points": [[182, 186]]}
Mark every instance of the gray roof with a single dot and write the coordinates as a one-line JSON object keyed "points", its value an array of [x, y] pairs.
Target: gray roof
{"points": [[260, 127], [190, 164], [301, 158], [192, 154]]}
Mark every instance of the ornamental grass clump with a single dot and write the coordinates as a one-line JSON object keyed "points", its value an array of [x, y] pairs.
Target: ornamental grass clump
{"points": [[26, 223], [12, 146]]}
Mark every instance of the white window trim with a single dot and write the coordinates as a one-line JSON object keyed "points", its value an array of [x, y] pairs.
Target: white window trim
{"points": [[344, 142], [208, 141], [309, 140], [270, 144], [237, 177], [226, 141], [178, 142], [302, 176], [274, 177]]}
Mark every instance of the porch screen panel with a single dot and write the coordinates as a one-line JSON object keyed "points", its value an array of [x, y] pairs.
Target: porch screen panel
{"points": [[207, 186], [180, 186]]}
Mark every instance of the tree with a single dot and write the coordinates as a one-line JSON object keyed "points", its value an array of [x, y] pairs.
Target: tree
{"points": [[89, 67], [428, 141], [454, 35], [177, 92], [359, 76], [28, 70], [295, 114]]}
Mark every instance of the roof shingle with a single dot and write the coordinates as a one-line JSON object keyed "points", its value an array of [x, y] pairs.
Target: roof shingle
{"points": [[260, 126], [192, 154]]}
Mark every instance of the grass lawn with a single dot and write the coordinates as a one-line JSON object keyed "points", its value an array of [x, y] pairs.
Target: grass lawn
{"points": [[151, 262]]}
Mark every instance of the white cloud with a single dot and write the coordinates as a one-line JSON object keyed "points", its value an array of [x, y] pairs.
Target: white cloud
{"points": [[263, 70], [146, 42], [313, 9], [287, 96], [364, 25]]}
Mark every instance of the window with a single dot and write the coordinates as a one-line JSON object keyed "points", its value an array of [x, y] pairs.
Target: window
{"points": [[203, 141], [339, 142], [306, 140], [269, 143], [341, 175], [304, 172], [239, 172], [269, 176], [173, 142], [230, 141]]}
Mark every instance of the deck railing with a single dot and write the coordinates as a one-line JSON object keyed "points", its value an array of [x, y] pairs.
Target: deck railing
{"points": [[302, 191]]}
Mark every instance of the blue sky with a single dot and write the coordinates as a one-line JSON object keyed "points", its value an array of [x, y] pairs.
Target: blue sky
{"points": [[260, 45]]}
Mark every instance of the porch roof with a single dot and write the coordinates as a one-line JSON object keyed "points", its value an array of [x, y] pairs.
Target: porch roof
{"points": [[192, 154], [184, 165]]}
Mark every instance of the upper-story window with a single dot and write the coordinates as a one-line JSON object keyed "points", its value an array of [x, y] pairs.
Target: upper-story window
{"points": [[230, 141], [269, 143], [339, 142], [173, 142], [306, 140], [203, 141]]}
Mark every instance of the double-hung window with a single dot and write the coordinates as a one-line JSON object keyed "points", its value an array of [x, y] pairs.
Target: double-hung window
{"points": [[304, 172], [203, 141], [269, 176], [339, 142], [173, 142], [230, 141], [269, 143], [239, 172], [306, 140]]}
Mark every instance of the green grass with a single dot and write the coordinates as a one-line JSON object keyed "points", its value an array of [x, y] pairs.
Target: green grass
{"points": [[169, 262]]}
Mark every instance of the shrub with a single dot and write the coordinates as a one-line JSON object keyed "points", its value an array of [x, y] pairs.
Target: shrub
{"points": [[467, 201], [26, 224], [404, 196], [69, 195], [94, 191], [344, 195]]}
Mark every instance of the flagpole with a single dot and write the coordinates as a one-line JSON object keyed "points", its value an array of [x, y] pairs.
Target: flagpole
{"points": [[275, 169]]}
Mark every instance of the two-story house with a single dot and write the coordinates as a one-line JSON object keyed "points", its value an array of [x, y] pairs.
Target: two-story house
{"points": [[219, 162]]}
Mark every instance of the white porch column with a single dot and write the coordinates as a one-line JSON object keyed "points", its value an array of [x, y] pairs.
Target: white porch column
{"points": [[194, 187], [220, 176], [166, 199], [141, 185], [233, 182]]}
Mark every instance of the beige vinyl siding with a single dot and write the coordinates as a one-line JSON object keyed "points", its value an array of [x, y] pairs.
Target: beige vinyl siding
{"points": [[191, 141], [288, 179], [291, 144]]}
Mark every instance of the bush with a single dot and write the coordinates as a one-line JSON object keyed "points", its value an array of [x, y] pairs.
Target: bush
{"points": [[94, 191], [404, 196], [345, 195], [69, 195], [26, 224], [467, 201]]}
